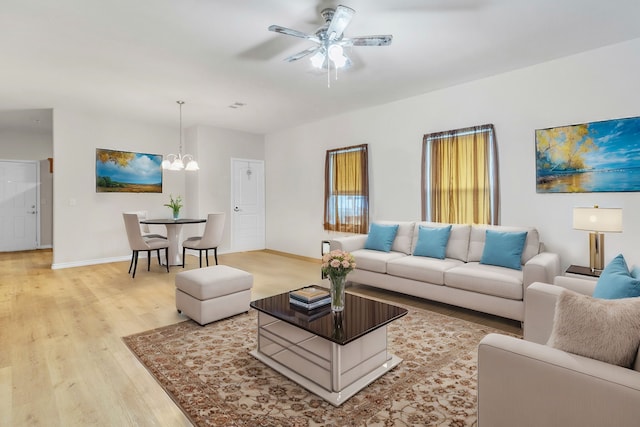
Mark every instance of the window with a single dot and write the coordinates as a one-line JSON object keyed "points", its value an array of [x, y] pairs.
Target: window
{"points": [[346, 190], [460, 176]]}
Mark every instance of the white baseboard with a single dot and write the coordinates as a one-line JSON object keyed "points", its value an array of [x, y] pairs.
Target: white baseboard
{"points": [[84, 263]]}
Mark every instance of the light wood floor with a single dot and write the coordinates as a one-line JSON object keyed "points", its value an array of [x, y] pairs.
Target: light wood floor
{"points": [[62, 360]]}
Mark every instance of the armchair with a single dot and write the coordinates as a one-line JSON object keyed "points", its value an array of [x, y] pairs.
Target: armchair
{"points": [[527, 383]]}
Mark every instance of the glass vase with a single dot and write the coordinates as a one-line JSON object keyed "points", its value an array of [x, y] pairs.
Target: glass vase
{"points": [[338, 328], [176, 214], [337, 291]]}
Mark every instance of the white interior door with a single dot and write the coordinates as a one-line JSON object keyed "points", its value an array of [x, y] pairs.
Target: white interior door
{"points": [[247, 211], [18, 205]]}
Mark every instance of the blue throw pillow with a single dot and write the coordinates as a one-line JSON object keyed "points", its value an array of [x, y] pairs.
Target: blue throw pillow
{"points": [[503, 248], [381, 237], [432, 242], [616, 281]]}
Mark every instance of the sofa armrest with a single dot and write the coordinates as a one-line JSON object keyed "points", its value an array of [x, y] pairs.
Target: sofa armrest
{"points": [[576, 284], [521, 383], [539, 310], [540, 305], [541, 268], [348, 243]]}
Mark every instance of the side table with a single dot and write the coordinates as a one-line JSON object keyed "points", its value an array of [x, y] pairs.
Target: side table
{"points": [[582, 272]]}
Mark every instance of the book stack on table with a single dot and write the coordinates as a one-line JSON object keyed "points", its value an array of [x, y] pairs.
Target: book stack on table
{"points": [[310, 297]]}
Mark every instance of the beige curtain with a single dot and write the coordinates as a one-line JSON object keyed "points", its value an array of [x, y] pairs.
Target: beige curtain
{"points": [[346, 204], [461, 176]]}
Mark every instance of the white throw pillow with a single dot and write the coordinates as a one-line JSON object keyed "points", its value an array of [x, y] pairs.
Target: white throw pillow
{"points": [[458, 245], [404, 236], [606, 330]]}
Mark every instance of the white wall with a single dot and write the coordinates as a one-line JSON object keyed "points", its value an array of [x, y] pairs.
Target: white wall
{"points": [[215, 148], [596, 85], [25, 145], [88, 226], [46, 204]]}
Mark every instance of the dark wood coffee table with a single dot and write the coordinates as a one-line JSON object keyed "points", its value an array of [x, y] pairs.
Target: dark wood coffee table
{"points": [[333, 355]]}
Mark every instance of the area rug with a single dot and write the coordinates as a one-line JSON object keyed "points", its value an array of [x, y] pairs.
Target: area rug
{"points": [[210, 374]]}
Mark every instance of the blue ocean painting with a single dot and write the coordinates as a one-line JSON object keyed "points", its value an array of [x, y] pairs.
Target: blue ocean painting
{"points": [[125, 171], [591, 157]]}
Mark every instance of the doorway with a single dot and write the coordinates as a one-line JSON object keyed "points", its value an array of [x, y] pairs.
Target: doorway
{"points": [[248, 205], [19, 206]]}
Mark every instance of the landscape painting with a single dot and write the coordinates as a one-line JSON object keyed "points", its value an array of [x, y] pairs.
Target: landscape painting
{"points": [[128, 172], [591, 157]]}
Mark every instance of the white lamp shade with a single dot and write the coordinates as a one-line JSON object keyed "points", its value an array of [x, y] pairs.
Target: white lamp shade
{"points": [[192, 166], [317, 59], [608, 220], [176, 165]]}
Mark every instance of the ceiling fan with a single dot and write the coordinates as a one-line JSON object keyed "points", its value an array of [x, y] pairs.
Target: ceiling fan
{"points": [[330, 40]]}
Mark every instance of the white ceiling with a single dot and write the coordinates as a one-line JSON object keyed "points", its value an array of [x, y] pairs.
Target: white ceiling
{"points": [[137, 57]]}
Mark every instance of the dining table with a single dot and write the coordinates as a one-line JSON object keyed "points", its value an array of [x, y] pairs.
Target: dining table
{"points": [[174, 228]]}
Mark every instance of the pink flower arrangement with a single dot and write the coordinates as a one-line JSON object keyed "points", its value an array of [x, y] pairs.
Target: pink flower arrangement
{"points": [[337, 263]]}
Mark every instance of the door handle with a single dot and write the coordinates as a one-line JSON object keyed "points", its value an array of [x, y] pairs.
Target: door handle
{"points": [[236, 209]]}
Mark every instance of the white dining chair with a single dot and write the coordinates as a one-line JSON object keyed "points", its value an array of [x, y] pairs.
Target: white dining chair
{"points": [[139, 243], [210, 239], [144, 228]]}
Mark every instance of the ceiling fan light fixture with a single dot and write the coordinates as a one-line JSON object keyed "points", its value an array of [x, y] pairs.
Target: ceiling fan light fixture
{"points": [[337, 56], [340, 62], [329, 39], [335, 52], [317, 60]]}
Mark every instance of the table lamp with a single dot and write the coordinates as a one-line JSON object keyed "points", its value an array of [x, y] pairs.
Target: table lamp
{"points": [[597, 221]]}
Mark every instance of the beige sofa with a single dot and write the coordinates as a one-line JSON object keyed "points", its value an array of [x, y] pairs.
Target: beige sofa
{"points": [[458, 279], [527, 383]]}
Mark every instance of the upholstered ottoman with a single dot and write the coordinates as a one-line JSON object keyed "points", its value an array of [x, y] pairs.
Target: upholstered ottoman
{"points": [[213, 293]]}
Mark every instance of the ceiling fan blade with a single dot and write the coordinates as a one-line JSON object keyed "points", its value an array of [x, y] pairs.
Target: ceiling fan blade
{"points": [[294, 33], [302, 54], [367, 41], [341, 19]]}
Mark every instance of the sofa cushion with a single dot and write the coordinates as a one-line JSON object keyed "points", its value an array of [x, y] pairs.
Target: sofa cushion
{"points": [[606, 330], [478, 236], [372, 260], [486, 279], [503, 248], [404, 236], [616, 281], [423, 269], [432, 242], [458, 245], [381, 237]]}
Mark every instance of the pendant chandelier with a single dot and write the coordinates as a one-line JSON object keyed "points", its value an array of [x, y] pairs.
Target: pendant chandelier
{"points": [[177, 162]]}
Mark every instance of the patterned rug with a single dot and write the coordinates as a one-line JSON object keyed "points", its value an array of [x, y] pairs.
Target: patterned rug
{"points": [[210, 374]]}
